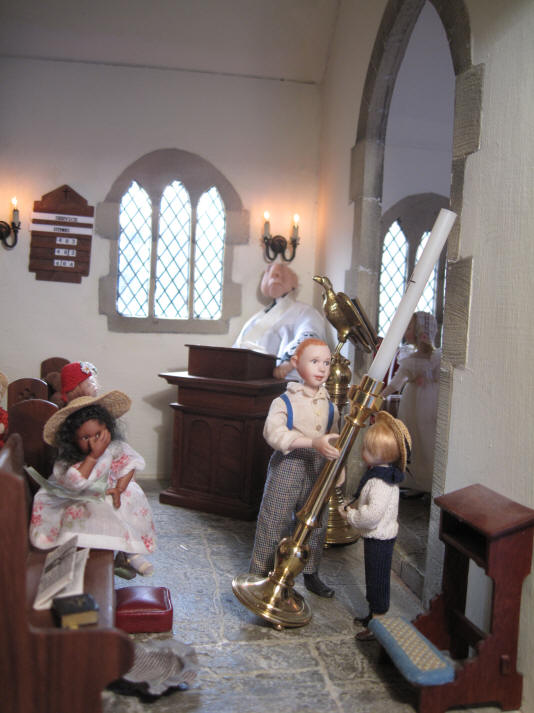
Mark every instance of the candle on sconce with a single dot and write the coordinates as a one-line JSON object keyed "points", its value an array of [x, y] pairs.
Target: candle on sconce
{"points": [[295, 231], [267, 225], [15, 217], [414, 290]]}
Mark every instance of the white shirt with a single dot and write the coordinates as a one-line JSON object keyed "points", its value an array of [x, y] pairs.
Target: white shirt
{"points": [[281, 328], [310, 416]]}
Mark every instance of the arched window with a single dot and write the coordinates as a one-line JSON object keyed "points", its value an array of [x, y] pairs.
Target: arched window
{"points": [[406, 228], [177, 219]]}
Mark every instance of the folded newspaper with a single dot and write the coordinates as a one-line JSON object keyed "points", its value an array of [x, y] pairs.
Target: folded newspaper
{"points": [[63, 573], [61, 492]]}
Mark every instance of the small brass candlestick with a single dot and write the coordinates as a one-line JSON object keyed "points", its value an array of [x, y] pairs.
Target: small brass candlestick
{"points": [[338, 530], [273, 597]]}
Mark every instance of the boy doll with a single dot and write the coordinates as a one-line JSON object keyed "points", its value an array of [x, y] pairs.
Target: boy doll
{"points": [[300, 426], [385, 450]]}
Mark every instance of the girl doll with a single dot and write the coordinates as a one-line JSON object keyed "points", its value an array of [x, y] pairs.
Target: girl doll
{"points": [[300, 427], [91, 492], [385, 449], [78, 379], [418, 373]]}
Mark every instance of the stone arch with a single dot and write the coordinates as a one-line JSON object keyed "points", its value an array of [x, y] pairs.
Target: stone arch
{"points": [[367, 164]]}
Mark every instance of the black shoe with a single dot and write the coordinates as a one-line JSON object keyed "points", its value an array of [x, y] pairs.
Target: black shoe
{"points": [[363, 620], [314, 584], [365, 635]]}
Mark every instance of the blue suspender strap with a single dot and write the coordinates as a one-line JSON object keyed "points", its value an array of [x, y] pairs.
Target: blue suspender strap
{"points": [[285, 399], [330, 416]]}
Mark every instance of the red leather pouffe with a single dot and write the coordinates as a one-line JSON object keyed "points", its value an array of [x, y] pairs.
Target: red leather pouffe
{"points": [[142, 609]]}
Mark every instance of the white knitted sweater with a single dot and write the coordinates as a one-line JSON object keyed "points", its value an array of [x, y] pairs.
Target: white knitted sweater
{"points": [[376, 511]]}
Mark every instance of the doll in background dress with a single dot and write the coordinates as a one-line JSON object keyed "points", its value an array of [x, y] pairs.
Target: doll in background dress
{"points": [[301, 427], [92, 492], [374, 510], [418, 373]]}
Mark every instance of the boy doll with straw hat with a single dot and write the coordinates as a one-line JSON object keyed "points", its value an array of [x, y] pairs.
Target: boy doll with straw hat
{"points": [[385, 450], [92, 492]]}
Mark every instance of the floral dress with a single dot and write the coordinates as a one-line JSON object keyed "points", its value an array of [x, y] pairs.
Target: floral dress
{"points": [[74, 505]]}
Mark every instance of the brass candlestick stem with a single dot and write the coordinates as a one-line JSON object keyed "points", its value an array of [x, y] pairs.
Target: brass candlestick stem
{"points": [[338, 530], [273, 597]]}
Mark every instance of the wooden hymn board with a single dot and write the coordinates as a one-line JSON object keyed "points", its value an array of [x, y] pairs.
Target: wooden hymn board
{"points": [[61, 232]]}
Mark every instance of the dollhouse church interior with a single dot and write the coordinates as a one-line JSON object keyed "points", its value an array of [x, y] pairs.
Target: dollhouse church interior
{"points": [[142, 146]]}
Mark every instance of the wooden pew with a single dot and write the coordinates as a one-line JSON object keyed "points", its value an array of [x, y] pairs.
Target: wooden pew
{"points": [[27, 388], [27, 418], [44, 669]]}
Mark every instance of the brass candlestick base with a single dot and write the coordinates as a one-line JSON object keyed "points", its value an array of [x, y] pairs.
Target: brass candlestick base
{"points": [[273, 597]]}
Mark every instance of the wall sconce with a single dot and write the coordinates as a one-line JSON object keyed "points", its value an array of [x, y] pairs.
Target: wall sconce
{"points": [[6, 229], [277, 244]]}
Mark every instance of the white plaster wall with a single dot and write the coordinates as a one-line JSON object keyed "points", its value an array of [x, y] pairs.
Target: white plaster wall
{"points": [[82, 124], [356, 29], [492, 412]]}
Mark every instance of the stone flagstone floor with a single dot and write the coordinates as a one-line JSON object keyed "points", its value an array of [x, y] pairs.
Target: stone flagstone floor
{"points": [[245, 665]]}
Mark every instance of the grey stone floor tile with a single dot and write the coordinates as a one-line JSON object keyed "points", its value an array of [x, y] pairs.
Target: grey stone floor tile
{"points": [[245, 665]]}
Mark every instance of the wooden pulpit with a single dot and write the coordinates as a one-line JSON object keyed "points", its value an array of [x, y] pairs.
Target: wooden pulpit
{"points": [[219, 454]]}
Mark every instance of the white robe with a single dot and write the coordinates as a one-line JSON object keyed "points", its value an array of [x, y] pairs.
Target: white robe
{"points": [[418, 410], [281, 328]]}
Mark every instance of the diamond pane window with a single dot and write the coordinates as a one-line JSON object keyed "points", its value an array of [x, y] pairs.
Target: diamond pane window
{"points": [[170, 271], [209, 256], [392, 275], [427, 301], [135, 244], [171, 300]]}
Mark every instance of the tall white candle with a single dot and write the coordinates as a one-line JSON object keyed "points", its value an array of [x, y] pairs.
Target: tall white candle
{"points": [[416, 285]]}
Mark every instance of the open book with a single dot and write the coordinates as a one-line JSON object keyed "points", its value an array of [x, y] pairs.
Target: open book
{"points": [[63, 573]]}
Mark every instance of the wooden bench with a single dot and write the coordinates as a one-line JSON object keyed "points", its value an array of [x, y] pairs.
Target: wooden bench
{"points": [[44, 669]]}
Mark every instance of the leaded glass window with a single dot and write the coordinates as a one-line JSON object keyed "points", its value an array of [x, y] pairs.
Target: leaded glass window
{"points": [[392, 275], [135, 243], [174, 220], [185, 278]]}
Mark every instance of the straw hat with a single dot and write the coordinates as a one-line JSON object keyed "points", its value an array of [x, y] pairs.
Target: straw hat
{"points": [[115, 402], [402, 436]]}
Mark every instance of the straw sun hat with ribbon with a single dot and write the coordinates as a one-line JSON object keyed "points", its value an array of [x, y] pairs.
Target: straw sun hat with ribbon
{"points": [[115, 402], [402, 436]]}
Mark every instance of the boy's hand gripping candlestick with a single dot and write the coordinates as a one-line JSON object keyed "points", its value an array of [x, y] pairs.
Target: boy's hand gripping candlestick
{"points": [[273, 597]]}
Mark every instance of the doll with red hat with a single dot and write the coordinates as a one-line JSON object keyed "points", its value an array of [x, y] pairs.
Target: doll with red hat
{"points": [[79, 378]]}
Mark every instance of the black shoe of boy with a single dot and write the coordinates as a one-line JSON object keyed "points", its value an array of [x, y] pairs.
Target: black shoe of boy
{"points": [[315, 585], [363, 620]]}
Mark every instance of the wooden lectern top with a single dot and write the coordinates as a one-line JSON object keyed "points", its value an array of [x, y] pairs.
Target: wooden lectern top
{"points": [[229, 363]]}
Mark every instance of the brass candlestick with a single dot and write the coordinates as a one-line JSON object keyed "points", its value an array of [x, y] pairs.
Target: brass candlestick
{"points": [[273, 597]]}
